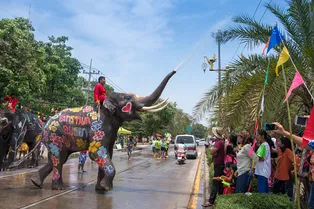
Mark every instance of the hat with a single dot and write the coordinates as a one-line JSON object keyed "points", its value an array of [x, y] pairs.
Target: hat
{"points": [[218, 132]]}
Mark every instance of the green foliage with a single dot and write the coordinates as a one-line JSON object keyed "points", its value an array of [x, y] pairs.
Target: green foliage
{"points": [[241, 89], [209, 156], [20, 54], [43, 75], [199, 130], [255, 201], [179, 122], [152, 123]]}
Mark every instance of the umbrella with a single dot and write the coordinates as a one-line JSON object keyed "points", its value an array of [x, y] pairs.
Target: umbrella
{"points": [[123, 131], [159, 135]]}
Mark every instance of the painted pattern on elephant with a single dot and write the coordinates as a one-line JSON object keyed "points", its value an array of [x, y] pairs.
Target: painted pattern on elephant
{"points": [[70, 129]]}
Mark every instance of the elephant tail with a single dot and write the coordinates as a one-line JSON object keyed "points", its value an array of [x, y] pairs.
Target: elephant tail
{"points": [[17, 163]]}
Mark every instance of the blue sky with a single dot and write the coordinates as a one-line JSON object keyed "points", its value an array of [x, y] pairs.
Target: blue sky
{"points": [[137, 42]]}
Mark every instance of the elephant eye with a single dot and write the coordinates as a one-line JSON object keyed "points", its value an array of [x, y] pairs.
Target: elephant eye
{"points": [[128, 97]]}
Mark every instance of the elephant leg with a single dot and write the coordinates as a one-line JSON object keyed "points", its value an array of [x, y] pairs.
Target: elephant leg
{"points": [[43, 173], [110, 172], [15, 140], [106, 169], [58, 161], [100, 177]]}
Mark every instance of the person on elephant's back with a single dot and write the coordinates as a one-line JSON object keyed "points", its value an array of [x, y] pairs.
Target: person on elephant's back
{"points": [[100, 93], [11, 101]]}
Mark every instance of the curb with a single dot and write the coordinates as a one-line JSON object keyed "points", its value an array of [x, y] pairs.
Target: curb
{"points": [[195, 189], [206, 180]]}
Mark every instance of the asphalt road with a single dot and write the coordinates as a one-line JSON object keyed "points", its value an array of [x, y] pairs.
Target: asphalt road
{"points": [[141, 183]]}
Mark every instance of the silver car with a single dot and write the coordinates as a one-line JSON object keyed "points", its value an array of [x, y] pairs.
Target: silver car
{"points": [[190, 142]]}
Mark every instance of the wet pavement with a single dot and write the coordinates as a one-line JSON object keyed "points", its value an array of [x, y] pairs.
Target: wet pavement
{"points": [[141, 183]]}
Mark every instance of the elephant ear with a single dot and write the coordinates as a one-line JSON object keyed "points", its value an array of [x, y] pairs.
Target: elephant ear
{"points": [[109, 105]]}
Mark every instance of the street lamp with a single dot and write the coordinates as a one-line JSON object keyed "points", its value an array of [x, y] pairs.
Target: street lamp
{"points": [[211, 62], [221, 37]]}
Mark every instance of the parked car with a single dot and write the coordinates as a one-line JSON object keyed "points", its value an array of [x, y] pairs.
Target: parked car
{"points": [[189, 141]]}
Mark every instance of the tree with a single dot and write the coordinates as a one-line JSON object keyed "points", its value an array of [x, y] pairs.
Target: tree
{"points": [[179, 122], [20, 54], [242, 88], [61, 73], [199, 130], [152, 123]]}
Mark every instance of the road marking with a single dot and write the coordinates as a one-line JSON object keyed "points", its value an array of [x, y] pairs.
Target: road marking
{"points": [[75, 188], [15, 174], [196, 186]]}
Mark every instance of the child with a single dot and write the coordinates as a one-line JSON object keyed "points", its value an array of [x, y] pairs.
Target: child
{"points": [[263, 166], [82, 159], [229, 179], [154, 147], [158, 146], [163, 149]]}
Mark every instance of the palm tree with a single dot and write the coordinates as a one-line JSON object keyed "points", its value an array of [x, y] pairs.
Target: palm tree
{"points": [[241, 89]]}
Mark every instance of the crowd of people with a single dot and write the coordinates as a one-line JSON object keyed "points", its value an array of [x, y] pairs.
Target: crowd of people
{"points": [[266, 155], [160, 147]]}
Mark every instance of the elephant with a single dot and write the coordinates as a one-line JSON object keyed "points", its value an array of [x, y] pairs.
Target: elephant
{"points": [[15, 128], [93, 129]]}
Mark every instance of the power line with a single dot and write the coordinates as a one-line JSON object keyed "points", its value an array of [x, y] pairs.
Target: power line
{"points": [[107, 78], [259, 3]]}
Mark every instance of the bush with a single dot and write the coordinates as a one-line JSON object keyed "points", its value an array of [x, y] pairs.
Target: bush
{"points": [[209, 157], [255, 201]]}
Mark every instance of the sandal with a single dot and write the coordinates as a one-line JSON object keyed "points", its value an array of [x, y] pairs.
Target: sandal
{"points": [[207, 204]]}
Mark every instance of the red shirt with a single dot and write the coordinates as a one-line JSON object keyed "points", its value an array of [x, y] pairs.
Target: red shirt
{"points": [[11, 102], [219, 158], [99, 93]]}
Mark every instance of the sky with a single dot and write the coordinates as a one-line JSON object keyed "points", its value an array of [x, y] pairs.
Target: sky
{"points": [[135, 43]]}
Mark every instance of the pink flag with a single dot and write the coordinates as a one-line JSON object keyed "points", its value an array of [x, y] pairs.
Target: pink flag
{"points": [[297, 81], [308, 136], [252, 148]]}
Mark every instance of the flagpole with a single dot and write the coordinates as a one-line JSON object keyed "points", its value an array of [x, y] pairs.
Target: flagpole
{"points": [[263, 94], [292, 143]]}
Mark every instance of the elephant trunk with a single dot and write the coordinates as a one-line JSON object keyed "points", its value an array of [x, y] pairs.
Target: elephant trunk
{"points": [[151, 99]]}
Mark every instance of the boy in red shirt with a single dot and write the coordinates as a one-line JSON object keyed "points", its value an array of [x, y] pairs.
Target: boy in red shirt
{"points": [[100, 90], [12, 102]]}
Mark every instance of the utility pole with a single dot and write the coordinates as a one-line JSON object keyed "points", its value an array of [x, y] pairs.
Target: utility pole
{"points": [[89, 77]]}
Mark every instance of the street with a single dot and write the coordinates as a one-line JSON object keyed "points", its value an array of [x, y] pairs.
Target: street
{"points": [[141, 183]]}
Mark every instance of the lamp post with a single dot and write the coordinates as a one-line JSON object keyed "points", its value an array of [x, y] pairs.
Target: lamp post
{"points": [[221, 37], [219, 70]]}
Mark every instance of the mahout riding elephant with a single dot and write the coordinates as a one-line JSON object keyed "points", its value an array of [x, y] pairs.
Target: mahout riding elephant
{"points": [[82, 128], [15, 128]]}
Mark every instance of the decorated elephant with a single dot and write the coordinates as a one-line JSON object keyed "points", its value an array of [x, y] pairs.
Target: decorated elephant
{"points": [[15, 128], [84, 128]]}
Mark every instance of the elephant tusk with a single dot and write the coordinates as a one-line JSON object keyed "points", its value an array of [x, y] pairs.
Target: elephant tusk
{"points": [[155, 106], [159, 109]]}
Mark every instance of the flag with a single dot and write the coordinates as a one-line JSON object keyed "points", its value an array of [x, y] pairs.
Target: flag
{"points": [[266, 46], [297, 81], [266, 78], [275, 38], [283, 57], [252, 148], [308, 136]]}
